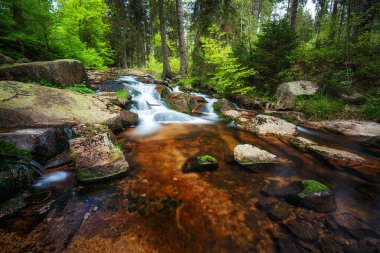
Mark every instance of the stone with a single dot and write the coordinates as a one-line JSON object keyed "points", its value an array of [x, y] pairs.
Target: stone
{"points": [[287, 92], [355, 226], [58, 160], [248, 102], [233, 114], [96, 156], [247, 154], [24, 105], [354, 99], [6, 59], [301, 229], [348, 127], [372, 144], [223, 105], [199, 164], [163, 91], [280, 211], [42, 143], [180, 101], [11, 207], [336, 157], [269, 125], [128, 118], [302, 142], [60, 72], [95, 78], [112, 98]]}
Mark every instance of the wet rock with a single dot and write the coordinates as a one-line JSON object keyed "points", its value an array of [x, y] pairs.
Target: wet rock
{"points": [[197, 103], [112, 86], [302, 142], [248, 102], [329, 245], [223, 105], [128, 118], [61, 72], [180, 101], [315, 196], [24, 105], [355, 226], [163, 90], [372, 144], [269, 125], [232, 114], [12, 206], [6, 59], [202, 163], [95, 78], [96, 157], [336, 157], [302, 229], [58, 160], [289, 91], [280, 211], [120, 98], [348, 127], [12, 180], [286, 245], [145, 79], [290, 116], [246, 154], [42, 143]]}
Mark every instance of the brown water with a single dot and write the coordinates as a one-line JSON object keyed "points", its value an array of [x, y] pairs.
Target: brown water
{"points": [[158, 208]]}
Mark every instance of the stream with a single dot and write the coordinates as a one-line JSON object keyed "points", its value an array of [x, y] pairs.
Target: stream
{"points": [[158, 208]]}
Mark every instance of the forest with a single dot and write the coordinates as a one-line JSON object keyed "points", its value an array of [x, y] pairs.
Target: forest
{"points": [[225, 46]]}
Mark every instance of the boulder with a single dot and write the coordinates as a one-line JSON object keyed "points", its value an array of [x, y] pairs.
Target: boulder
{"points": [[112, 86], [269, 125], [348, 127], [60, 72], [199, 164], [180, 101], [232, 114], [247, 154], [287, 92], [95, 78], [128, 118], [316, 196], [6, 59], [11, 207], [372, 144], [302, 142], [355, 226], [336, 157], [95, 154], [24, 105], [163, 90], [42, 143], [113, 98], [248, 102], [223, 105]]}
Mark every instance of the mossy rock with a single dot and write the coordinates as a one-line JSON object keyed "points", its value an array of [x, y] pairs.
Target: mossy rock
{"points": [[12, 206], [199, 164], [207, 159], [312, 187], [86, 176]]}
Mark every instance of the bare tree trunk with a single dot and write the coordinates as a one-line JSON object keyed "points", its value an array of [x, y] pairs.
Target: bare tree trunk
{"points": [[181, 39], [293, 17], [166, 73], [124, 49], [333, 21]]}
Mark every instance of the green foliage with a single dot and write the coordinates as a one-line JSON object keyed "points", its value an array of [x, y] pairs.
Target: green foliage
{"points": [[122, 96], [311, 187], [321, 107], [370, 110], [80, 88], [11, 149], [207, 159]]}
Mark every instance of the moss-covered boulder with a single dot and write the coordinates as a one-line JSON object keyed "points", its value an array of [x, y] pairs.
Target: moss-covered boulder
{"points": [[180, 101], [95, 154], [163, 90], [302, 142], [199, 164], [223, 105], [60, 72], [25, 105], [315, 196]]}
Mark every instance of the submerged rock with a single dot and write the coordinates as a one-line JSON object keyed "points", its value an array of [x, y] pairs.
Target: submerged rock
{"points": [[11, 207], [289, 91], [348, 127], [24, 105], [339, 158], [372, 144], [96, 156], [247, 154], [199, 164], [269, 125], [62, 72], [354, 226], [302, 142], [316, 196]]}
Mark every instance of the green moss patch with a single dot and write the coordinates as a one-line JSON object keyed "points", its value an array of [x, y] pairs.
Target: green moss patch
{"points": [[312, 187], [11, 149], [207, 159]]}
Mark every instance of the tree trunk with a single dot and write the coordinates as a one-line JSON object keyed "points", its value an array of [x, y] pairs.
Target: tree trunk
{"points": [[181, 39], [166, 73], [124, 49], [293, 17], [333, 21]]}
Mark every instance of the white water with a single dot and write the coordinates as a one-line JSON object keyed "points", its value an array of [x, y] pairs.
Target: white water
{"points": [[49, 180], [153, 111]]}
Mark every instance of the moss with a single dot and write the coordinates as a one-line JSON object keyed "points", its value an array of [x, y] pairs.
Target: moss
{"points": [[12, 206], [11, 149], [122, 96], [94, 176], [207, 159], [312, 187], [217, 107]]}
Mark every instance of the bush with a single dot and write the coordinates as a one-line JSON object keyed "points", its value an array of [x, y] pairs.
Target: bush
{"points": [[80, 88], [370, 110]]}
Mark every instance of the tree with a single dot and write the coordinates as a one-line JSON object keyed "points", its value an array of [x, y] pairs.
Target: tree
{"points": [[181, 39], [293, 17], [166, 72]]}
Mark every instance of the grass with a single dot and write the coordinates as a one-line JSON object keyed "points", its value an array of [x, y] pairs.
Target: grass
{"points": [[122, 96], [80, 88], [370, 110], [311, 187]]}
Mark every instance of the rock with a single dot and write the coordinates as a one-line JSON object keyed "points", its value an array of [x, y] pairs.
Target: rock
{"points": [[163, 91], [42, 143], [180, 101], [6, 59], [285, 246], [24, 105], [96, 157], [301, 229], [95, 78], [289, 91], [248, 102], [145, 79], [269, 125], [290, 116], [115, 98], [336, 157], [355, 226], [232, 114], [280, 211], [11, 207], [246, 154], [60, 72], [348, 127], [113, 86], [58, 160], [372, 144], [12, 180], [302, 142], [223, 105], [199, 164], [354, 99], [128, 118], [315, 196]]}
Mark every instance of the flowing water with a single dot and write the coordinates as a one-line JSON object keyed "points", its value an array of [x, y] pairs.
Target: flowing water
{"points": [[158, 208]]}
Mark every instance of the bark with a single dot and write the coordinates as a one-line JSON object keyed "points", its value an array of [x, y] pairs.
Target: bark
{"points": [[333, 21], [181, 39], [166, 73], [293, 17]]}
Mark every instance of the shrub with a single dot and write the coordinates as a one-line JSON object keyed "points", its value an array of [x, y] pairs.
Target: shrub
{"points": [[80, 88]]}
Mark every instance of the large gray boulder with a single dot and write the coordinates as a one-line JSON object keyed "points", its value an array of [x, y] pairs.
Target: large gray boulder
{"points": [[269, 125], [287, 92], [24, 105], [247, 154], [348, 127], [60, 72]]}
